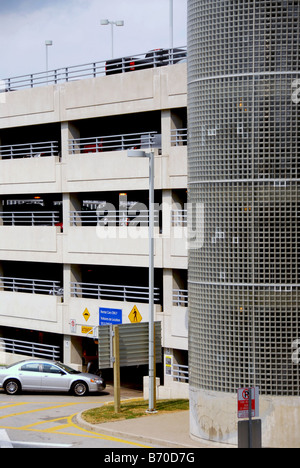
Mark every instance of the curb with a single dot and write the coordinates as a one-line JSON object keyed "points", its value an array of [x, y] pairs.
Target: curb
{"points": [[115, 433]]}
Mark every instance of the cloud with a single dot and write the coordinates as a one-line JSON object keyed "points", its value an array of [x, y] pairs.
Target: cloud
{"points": [[74, 27], [19, 6]]}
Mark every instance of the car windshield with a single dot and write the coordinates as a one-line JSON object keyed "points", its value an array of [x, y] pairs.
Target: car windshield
{"points": [[68, 369]]}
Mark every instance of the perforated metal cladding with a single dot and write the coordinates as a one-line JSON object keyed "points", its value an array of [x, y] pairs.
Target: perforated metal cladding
{"points": [[244, 167]]}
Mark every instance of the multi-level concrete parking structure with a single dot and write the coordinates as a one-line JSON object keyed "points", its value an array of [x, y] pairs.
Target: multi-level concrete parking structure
{"points": [[74, 210], [243, 165]]}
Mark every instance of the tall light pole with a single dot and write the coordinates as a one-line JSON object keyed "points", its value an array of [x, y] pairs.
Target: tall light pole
{"points": [[152, 388], [106, 22], [47, 44], [171, 14]]}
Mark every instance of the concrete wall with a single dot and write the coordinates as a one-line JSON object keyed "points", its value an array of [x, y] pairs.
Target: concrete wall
{"points": [[33, 311], [30, 175], [147, 90], [77, 307], [103, 245], [31, 243], [213, 416]]}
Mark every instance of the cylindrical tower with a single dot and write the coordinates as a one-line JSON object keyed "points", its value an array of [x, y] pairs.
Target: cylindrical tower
{"points": [[244, 173]]}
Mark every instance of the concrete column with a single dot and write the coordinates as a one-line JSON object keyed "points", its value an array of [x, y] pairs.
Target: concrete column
{"points": [[168, 290], [68, 131], [73, 351], [1, 274], [71, 202], [176, 123], [166, 124], [166, 222], [1, 211], [72, 273]]}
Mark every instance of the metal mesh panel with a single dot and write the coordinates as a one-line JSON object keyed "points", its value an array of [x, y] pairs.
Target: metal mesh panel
{"points": [[242, 334], [244, 167]]}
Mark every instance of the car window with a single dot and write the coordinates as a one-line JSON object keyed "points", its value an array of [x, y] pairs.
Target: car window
{"points": [[31, 367], [51, 369], [13, 365], [68, 369]]}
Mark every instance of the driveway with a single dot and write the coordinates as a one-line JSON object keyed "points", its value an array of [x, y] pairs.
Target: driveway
{"points": [[47, 420]]}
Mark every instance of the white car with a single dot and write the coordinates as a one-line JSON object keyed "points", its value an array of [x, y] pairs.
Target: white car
{"points": [[48, 376]]}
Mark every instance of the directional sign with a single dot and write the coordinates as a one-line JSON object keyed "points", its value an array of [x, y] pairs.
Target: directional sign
{"points": [[86, 315], [135, 316], [110, 316], [244, 399]]}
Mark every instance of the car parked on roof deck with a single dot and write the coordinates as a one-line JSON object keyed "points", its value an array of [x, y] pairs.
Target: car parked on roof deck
{"points": [[48, 376], [152, 59]]}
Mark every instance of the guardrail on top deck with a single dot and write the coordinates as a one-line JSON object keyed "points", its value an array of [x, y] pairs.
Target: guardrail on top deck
{"points": [[88, 70]]}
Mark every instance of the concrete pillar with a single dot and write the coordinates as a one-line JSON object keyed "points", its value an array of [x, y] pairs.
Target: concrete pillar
{"points": [[73, 351], [68, 131], [72, 274]]}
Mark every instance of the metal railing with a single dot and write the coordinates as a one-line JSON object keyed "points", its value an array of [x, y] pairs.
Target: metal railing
{"points": [[180, 297], [180, 373], [94, 69], [113, 292], [30, 218], [179, 136], [29, 150], [32, 286], [104, 217], [115, 142], [27, 348]]}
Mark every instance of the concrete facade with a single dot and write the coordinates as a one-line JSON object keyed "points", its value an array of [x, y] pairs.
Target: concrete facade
{"points": [[74, 110]]}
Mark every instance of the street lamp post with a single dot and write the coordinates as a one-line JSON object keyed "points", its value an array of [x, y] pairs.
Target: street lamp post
{"points": [[106, 22], [171, 12], [47, 44], [152, 388]]}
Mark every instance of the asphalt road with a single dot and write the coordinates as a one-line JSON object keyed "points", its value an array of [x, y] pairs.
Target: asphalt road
{"points": [[47, 421]]}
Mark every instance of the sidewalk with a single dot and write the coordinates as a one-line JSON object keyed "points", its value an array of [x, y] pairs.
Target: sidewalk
{"points": [[163, 430]]}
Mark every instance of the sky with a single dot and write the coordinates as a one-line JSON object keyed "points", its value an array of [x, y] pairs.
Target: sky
{"points": [[78, 38]]}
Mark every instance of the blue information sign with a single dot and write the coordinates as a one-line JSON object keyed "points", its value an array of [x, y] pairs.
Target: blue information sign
{"points": [[110, 316]]}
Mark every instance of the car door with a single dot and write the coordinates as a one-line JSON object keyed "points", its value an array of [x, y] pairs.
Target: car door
{"points": [[54, 379], [30, 376]]}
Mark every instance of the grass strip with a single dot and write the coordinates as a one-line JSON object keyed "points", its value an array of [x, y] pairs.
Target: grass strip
{"points": [[132, 409]]}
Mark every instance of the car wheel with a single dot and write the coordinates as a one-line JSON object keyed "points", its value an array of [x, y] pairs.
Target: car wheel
{"points": [[79, 388], [12, 387]]}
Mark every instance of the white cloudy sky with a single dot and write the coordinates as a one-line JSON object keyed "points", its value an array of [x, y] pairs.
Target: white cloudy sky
{"points": [[74, 27]]}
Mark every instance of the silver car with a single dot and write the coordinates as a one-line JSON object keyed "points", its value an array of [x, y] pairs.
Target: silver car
{"points": [[48, 376]]}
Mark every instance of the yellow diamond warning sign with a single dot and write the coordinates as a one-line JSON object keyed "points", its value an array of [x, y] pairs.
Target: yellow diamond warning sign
{"points": [[135, 316], [86, 315]]}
